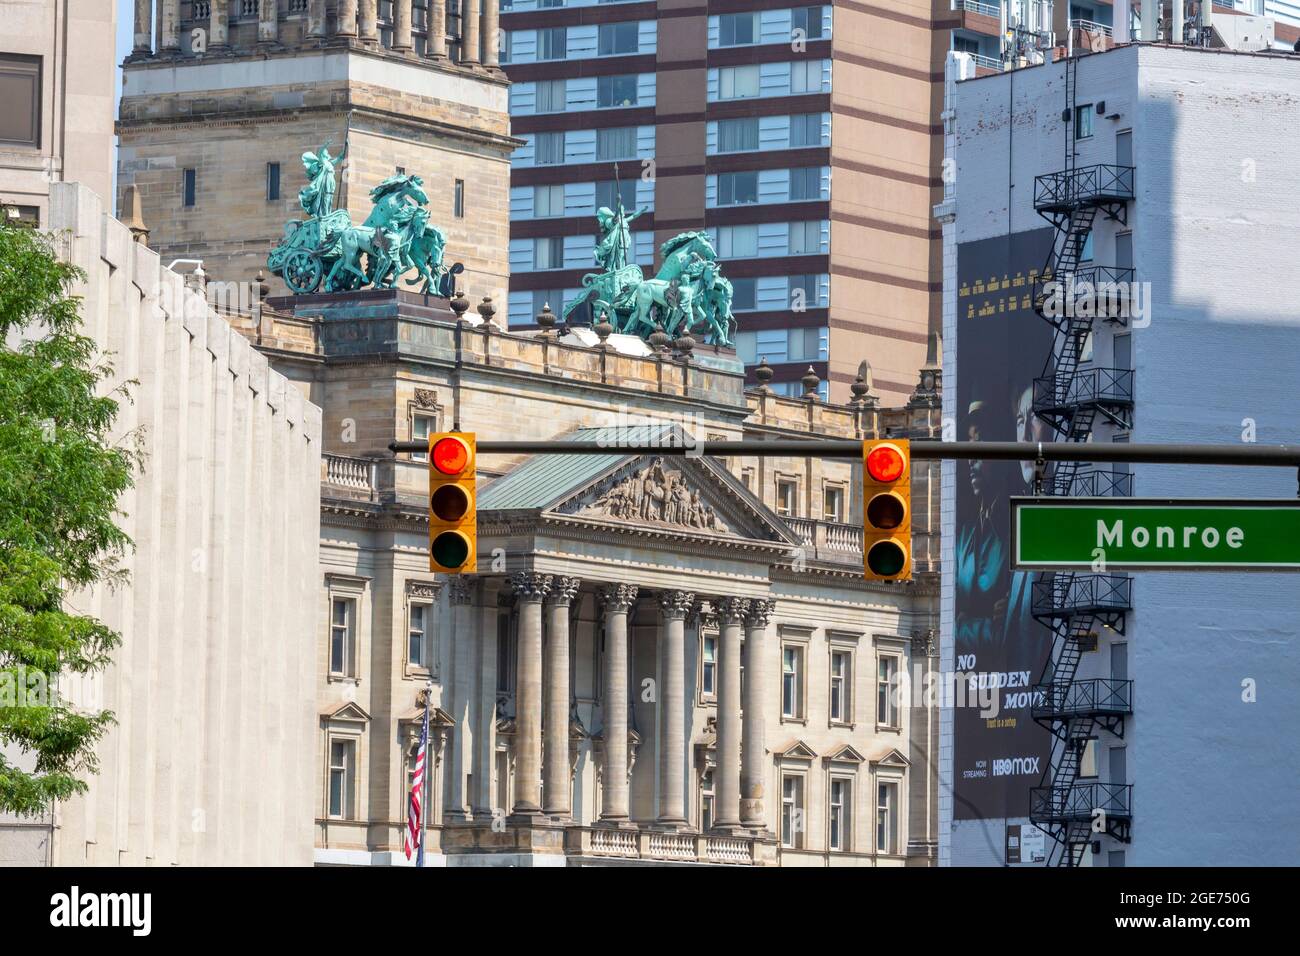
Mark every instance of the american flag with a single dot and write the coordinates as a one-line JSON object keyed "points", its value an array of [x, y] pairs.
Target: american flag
{"points": [[414, 818]]}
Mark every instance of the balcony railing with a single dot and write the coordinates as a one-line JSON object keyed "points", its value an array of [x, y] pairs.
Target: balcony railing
{"points": [[988, 62], [657, 846], [1093, 483], [357, 475], [1097, 185], [1087, 386], [1089, 26], [1080, 802], [983, 9], [1096, 696], [1082, 593], [1105, 289]]}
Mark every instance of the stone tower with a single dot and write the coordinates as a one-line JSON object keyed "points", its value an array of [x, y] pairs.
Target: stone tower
{"points": [[222, 97]]}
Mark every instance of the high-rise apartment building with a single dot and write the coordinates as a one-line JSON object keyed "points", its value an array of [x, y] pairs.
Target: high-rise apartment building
{"points": [[802, 137]]}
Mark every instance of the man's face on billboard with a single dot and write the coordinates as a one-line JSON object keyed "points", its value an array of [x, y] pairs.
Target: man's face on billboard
{"points": [[1029, 428]]}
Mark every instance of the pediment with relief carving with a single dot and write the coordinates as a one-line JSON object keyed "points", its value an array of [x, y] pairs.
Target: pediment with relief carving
{"points": [[656, 494]]}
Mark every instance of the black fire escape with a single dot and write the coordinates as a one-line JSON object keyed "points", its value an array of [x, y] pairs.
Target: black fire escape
{"points": [[1070, 399]]}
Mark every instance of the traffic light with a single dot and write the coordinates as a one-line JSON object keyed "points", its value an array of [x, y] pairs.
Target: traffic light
{"points": [[453, 514], [887, 509]]}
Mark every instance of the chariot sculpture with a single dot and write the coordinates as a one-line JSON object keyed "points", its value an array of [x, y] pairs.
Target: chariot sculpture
{"points": [[689, 293], [326, 252]]}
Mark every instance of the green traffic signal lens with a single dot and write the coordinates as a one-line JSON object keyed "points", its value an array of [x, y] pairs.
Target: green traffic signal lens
{"points": [[886, 558], [449, 503], [886, 511], [450, 549]]}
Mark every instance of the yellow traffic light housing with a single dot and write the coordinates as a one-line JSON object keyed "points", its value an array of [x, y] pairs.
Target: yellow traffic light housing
{"points": [[453, 510], [887, 509]]}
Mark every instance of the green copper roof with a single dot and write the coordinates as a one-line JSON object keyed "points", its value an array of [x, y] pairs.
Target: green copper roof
{"points": [[544, 480]]}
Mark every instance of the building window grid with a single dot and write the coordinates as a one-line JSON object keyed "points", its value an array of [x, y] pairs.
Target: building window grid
{"points": [[792, 676], [709, 667], [792, 810], [342, 636], [418, 618], [787, 497], [886, 707], [840, 816], [885, 810], [841, 687], [342, 762]]}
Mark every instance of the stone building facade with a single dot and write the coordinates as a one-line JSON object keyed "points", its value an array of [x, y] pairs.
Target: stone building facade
{"points": [[221, 99], [619, 600], [212, 687]]}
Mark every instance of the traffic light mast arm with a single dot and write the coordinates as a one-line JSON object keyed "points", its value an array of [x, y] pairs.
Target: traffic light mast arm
{"points": [[1266, 456]]}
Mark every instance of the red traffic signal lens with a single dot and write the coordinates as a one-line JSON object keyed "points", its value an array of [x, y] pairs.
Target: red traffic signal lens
{"points": [[449, 455], [886, 510], [886, 558], [449, 503], [450, 549], [885, 463]]}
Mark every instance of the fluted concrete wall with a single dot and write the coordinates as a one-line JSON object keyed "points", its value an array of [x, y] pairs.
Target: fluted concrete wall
{"points": [[212, 760]]}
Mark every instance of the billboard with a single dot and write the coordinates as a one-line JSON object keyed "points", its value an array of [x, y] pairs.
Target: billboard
{"points": [[1002, 345]]}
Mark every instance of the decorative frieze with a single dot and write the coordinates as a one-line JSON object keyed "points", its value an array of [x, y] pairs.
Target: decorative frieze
{"points": [[658, 495]]}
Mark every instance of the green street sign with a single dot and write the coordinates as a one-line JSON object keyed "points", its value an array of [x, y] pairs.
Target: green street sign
{"points": [[1154, 534]]}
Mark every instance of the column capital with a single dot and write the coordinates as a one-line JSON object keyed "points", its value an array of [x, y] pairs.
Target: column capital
{"points": [[563, 590], [732, 610], [530, 586], [462, 590], [618, 597], [676, 604], [759, 612]]}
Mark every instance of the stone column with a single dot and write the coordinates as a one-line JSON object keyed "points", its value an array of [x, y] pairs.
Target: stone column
{"points": [[531, 589], [557, 793], [368, 25], [753, 772], [402, 25], [170, 20], [218, 26], [469, 31], [458, 687], [491, 32], [618, 600], [731, 612], [347, 18], [316, 17], [268, 22], [437, 27], [672, 726], [143, 39]]}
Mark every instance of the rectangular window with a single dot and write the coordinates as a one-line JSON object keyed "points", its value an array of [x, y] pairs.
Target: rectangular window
{"points": [[886, 710], [190, 180], [416, 635], [421, 428], [546, 297], [548, 201], [737, 242], [885, 818], [805, 238], [551, 43], [20, 100], [737, 82], [706, 800], [737, 29], [792, 682], [272, 182], [341, 764], [709, 670], [809, 20], [737, 135], [342, 631], [792, 814], [787, 495], [1088, 759], [805, 183], [458, 200], [737, 189], [744, 295], [832, 495], [806, 129], [840, 816], [803, 291], [840, 671], [548, 253], [616, 90], [550, 97], [609, 193], [806, 76], [617, 38], [612, 144], [548, 149], [1083, 120]]}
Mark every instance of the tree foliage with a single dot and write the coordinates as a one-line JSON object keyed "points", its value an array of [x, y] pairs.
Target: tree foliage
{"points": [[61, 476]]}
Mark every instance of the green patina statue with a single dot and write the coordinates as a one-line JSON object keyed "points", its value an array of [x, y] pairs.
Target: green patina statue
{"points": [[326, 251], [688, 294]]}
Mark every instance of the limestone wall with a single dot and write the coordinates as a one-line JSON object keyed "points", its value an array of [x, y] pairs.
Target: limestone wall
{"points": [[212, 759]]}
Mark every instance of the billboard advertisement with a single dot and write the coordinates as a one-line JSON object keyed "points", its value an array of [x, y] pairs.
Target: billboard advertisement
{"points": [[1002, 345]]}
